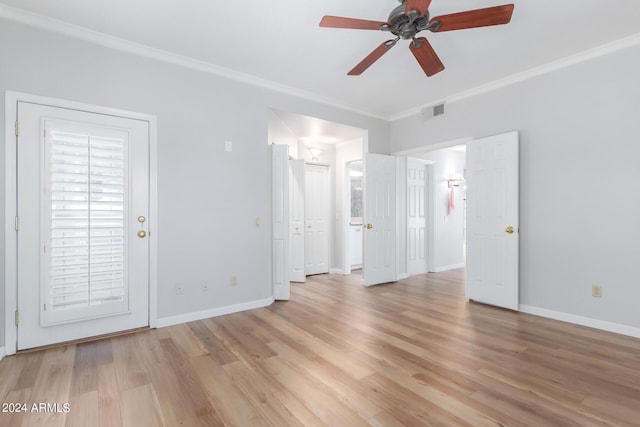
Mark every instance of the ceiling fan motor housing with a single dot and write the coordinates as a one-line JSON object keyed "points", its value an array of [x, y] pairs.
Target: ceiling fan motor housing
{"points": [[406, 26]]}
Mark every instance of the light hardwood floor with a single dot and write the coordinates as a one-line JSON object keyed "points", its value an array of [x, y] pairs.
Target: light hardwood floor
{"points": [[411, 353]]}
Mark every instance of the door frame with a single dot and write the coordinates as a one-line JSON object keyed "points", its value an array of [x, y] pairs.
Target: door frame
{"points": [[346, 215], [11, 193]]}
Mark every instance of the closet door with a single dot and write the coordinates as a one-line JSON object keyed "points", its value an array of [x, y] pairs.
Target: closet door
{"points": [[296, 220], [317, 203]]}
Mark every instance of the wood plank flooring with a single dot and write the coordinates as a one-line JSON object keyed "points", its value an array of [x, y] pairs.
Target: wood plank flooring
{"points": [[406, 354]]}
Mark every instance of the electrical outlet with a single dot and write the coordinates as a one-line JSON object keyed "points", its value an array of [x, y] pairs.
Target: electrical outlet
{"points": [[233, 281], [596, 291], [179, 289], [204, 286]]}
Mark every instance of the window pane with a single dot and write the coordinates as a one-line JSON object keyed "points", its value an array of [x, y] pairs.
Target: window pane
{"points": [[86, 227]]}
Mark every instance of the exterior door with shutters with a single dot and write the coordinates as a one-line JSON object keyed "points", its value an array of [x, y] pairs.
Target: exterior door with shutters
{"points": [[83, 236]]}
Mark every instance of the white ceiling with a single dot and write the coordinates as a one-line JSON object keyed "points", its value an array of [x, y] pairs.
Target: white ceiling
{"points": [[311, 130], [280, 41]]}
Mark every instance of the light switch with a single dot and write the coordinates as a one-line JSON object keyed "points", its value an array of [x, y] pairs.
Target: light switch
{"points": [[228, 146]]}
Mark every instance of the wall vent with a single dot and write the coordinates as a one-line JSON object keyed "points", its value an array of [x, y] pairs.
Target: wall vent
{"points": [[433, 111]]}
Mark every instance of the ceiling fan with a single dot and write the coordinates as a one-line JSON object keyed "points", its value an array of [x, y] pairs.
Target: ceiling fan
{"points": [[411, 17]]}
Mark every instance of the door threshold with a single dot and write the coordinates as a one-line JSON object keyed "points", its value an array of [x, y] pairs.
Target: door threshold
{"points": [[84, 340]]}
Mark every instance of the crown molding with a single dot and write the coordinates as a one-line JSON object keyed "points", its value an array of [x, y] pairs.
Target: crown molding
{"points": [[569, 61], [60, 27], [116, 43]]}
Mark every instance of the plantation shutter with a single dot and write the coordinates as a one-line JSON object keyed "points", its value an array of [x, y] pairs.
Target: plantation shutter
{"points": [[85, 198]]}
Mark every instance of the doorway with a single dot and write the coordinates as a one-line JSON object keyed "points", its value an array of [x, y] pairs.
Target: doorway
{"points": [[83, 221], [475, 209], [443, 206], [354, 203]]}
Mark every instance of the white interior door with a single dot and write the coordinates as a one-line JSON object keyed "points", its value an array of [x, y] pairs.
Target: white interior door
{"points": [[492, 220], [280, 222], [296, 220], [380, 219], [416, 217], [83, 255], [316, 218]]}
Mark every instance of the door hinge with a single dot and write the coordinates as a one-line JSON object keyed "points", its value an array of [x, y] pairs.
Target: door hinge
{"points": [[17, 223], [17, 317], [17, 128]]}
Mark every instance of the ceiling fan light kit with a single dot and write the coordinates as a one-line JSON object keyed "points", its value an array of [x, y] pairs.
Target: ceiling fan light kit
{"points": [[411, 17]]}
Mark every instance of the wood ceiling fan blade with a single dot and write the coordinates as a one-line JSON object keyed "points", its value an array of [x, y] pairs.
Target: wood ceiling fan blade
{"points": [[420, 5], [426, 57], [496, 15], [352, 23], [372, 57]]}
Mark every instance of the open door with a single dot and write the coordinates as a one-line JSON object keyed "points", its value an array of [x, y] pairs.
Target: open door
{"points": [[380, 219], [280, 221], [296, 220], [492, 220]]}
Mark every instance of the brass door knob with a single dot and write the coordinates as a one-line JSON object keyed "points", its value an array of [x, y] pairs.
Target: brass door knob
{"points": [[141, 219], [509, 230], [142, 234], [369, 226]]}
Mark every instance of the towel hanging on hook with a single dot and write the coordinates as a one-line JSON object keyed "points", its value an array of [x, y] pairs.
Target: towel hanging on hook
{"points": [[452, 200]]}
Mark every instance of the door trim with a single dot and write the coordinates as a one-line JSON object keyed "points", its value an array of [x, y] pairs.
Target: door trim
{"points": [[11, 238]]}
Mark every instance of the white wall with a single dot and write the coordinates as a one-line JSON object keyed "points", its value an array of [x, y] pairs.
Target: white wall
{"points": [[579, 175], [448, 226], [208, 199]]}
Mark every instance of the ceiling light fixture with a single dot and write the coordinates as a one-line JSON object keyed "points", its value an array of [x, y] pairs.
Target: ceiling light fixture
{"points": [[315, 152]]}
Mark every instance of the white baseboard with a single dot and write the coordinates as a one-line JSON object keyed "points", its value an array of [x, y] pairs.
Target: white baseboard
{"points": [[336, 271], [2, 353], [403, 276], [199, 315], [442, 268], [616, 328]]}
